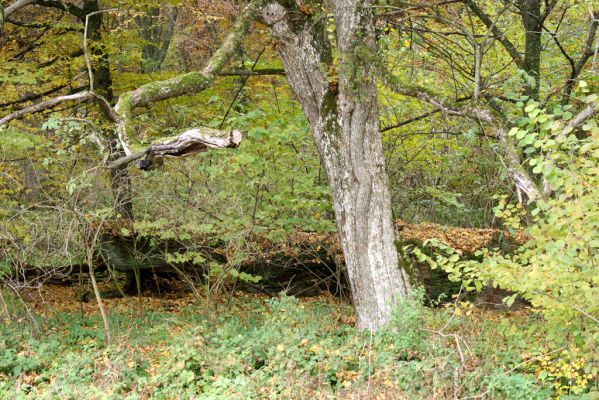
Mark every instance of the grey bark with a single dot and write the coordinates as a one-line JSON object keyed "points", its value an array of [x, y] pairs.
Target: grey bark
{"points": [[343, 117], [516, 171]]}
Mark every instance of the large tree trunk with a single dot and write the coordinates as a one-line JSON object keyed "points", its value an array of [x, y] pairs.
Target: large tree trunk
{"points": [[343, 116], [360, 183]]}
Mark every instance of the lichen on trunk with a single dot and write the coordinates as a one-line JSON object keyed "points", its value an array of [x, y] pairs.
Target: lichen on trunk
{"points": [[343, 117]]}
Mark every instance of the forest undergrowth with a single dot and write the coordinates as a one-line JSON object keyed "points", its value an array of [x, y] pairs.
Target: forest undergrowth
{"points": [[243, 346]]}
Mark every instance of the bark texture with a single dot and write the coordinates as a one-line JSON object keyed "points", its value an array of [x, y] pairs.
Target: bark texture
{"points": [[188, 143], [340, 103], [526, 188]]}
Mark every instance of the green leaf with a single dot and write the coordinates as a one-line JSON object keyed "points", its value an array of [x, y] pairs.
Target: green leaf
{"points": [[531, 106]]}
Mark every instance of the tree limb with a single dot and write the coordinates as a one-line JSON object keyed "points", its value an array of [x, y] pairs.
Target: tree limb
{"points": [[61, 5], [188, 143], [44, 105], [576, 68], [16, 6], [36, 96], [518, 174], [410, 120], [582, 116], [419, 117], [255, 72], [448, 107], [186, 84]]}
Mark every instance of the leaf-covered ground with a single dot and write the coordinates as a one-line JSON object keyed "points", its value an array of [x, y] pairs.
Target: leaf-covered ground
{"points": [[249, 346]]}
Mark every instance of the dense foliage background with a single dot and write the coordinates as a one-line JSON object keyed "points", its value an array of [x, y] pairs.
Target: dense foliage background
{"points": [[54, 193]]}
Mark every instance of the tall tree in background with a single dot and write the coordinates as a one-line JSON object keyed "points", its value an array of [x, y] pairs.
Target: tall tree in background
{"points": [[156, 29]]}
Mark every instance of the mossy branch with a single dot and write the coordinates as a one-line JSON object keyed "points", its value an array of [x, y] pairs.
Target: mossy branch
{"points": [[186, 84], [521, 178]]}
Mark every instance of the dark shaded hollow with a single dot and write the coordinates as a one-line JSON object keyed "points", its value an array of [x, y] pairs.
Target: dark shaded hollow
{"points": [[310, 271]]}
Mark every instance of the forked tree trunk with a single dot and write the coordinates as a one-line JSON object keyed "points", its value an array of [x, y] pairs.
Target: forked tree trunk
{"points": [[343, 116], [340, 103]]}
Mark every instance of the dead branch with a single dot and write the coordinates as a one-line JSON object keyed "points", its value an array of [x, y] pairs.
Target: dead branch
{"points": [[188, 143], [44, 105]]}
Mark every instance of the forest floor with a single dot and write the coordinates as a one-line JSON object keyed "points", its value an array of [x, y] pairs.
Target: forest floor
{"points": [[241, 346]]}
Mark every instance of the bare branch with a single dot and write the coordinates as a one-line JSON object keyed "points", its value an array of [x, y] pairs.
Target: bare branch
{"points": [[582, 116], [507, 44], [426, 95], [524, 183], [419, 117], [37, 96], [586, 54], [255, 72], [16, 6], [44, 105], [588, 46]]}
